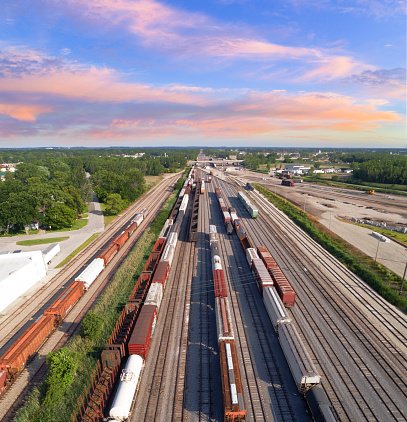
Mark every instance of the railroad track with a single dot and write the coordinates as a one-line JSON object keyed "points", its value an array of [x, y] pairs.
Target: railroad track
{"points": [[350, 350], [161, 389], [18, 392], [276, 402], [11, 325]]}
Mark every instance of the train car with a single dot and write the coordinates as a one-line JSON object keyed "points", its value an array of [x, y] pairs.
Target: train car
{"points": [[232, 389], [202, 189], [3, 381], [155, 295], [223, 319], [145, 212], [168, 254], [301, 366], [239, 229], [250, 254], [249, 186], [65, 301], [214, 248], [212, 229], [161, 272], [243, 198], [261, 275], [209, 179], [320, 405], [229, 227], [91, 272], [131, 227], [16, 356], [121, 239], [108, 253], [219, 283], [129, 379], [138, 218], [275, 308], [140, 339], [284, 289], [183, 206], [253, 211], [287, 182], [217, 191], [233, 214]]}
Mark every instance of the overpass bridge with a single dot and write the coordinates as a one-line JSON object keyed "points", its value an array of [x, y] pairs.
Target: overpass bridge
{"points": [[215, 163]]}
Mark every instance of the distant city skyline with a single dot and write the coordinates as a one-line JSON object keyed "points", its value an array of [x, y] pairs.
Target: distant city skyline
{"points": [[145, 73]]}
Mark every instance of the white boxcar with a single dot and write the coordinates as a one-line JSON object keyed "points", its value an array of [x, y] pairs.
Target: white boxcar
{"points": [[168, 254], [250, 254], [89, 275], [275, 308], [50, 251], [184, 204], [213, 237], [181, 194], [302, 368], [223, 319], [172, 239], [154, 295], [212, 229], [126, 390]]}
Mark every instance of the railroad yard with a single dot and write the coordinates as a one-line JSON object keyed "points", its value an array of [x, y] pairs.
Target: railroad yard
{"points": [[238, 315]]}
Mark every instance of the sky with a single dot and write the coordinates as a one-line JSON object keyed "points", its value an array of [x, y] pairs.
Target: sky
{"points": [[295, 73]]}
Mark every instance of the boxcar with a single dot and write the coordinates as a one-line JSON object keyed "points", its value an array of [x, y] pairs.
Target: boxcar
{"points": [[120, 240], [275, 308], [91, 272], [140, 339], [261, 275], [65, 301], [223, 319], [161, 272], [219, 283]]}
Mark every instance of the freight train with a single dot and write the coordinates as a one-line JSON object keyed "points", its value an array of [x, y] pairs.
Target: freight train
{"points": [[227, 219], [251, 208], [232, 388], [136, 343], [13, 361]]}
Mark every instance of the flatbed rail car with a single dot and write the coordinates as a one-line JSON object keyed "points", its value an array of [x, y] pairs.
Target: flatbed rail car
{"points": [[233, 400], [287, 182], [193, 228]]}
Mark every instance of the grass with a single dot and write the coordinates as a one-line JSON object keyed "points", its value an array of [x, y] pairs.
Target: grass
{"points": [[76, 225], [41, 241], [382, 280], [151, 181], [109, 306], [77, 250]]}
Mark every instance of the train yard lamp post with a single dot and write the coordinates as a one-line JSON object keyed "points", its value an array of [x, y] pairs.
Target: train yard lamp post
{"points": [[305, 203], [377, 250], [402, 282]]}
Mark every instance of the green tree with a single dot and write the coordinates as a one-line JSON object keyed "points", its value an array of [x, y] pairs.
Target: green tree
{"points": [[58, 216], [114, 204], [92, 325], [62, 366]]}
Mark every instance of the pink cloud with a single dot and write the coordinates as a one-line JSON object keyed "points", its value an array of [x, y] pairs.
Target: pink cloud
{"points": [[27, 113]]}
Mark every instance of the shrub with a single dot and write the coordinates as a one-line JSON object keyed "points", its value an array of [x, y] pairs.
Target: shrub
{"points": [[92, 325]]}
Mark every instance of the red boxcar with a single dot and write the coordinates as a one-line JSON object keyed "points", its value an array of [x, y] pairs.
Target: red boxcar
{"points": [[17, 355], [219, 283], [140, 339], [161, 272], [2, 380], [265, 255], [217, 191], [120, 240], [283, 287], [65, 301], [108, 253], [261, 275], [232, 388]]}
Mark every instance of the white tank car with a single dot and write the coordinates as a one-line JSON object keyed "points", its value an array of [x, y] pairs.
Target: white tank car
{"points": [[89, 275], [302, 368], [138, 219], [129, 379], [216, 263], [275, 308]]}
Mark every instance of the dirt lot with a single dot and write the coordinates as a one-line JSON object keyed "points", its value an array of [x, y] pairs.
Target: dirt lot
{"points": [[330, 204]]}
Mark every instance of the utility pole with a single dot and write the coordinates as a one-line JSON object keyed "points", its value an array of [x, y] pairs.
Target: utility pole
{"points": [[402, 282], [377, 250]]}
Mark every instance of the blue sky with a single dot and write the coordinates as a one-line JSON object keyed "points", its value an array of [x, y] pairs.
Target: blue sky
{"points": [[221, 72]]}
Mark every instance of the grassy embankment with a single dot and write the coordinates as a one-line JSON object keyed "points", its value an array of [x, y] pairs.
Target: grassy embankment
{"points": [[382, 280], [41, 241], [77, 250], [109, 306]]}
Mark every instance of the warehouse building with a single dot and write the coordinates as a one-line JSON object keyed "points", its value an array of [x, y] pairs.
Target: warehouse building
{"points": [[21, 271]]}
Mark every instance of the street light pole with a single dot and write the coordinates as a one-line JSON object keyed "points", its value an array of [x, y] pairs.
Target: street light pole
{"points": [[377, 250], [402, 282]]}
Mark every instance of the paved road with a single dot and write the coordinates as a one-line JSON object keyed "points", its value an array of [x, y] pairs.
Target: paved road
{"points": [[76, 237]]}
